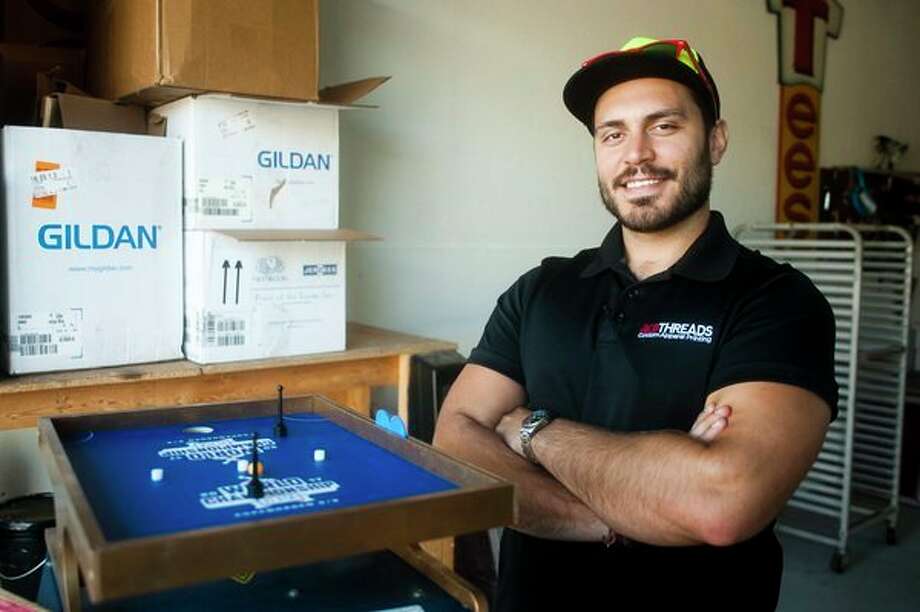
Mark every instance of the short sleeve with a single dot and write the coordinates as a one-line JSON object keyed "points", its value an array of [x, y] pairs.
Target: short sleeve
{"points": [[783, 332], [499, 348]]}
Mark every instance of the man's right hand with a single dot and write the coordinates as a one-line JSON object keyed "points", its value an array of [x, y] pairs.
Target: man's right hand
{"points": [[710, 423]]}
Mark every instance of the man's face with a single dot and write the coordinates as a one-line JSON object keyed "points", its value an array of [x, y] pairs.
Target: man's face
{"points": [[654, 158]]}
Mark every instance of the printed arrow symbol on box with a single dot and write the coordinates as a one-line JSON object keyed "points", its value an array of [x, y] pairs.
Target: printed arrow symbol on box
{"points": [[239, 266], [226, 267]]}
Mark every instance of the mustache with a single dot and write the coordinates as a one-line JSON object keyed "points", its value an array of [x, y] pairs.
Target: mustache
{"points": [[647, 170]]}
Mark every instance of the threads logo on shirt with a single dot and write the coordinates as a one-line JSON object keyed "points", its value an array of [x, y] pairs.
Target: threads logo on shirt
{"points": [[690, 332]]}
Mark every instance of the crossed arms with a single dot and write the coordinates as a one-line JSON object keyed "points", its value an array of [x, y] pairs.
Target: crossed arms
{"points": [[715, 485]]}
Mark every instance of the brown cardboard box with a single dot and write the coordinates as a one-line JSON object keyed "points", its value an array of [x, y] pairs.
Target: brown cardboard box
{"points": [[76, 112], [154, 51], [20, 67]]}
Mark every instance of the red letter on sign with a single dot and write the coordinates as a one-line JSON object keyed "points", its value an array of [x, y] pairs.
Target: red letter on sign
{"points": [[799, 165], [801, 116]]}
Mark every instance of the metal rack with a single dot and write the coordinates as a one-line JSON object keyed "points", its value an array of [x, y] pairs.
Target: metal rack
{"points": [[864, 272]]}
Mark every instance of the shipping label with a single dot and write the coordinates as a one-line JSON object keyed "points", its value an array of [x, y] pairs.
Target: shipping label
{"points": [[220, 330], [236, 123], [47, 183], [45, 334], [225, 197]]}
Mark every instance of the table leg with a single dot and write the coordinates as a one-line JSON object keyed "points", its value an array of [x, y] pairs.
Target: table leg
{"points": [[66, 570], [461, 590], [359, 400], [355, 398], [441, 549], [402, 389]]}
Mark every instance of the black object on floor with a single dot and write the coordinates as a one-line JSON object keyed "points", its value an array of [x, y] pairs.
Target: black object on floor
{"points": [[431, 377], [23, 521]]}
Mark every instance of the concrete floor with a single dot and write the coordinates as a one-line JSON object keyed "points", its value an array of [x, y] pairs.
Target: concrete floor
{"points": [[879, 578]]}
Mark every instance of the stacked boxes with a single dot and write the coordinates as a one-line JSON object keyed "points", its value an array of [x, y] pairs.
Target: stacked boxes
{"points": [[253, 166], [91, 249], [95, 223]]}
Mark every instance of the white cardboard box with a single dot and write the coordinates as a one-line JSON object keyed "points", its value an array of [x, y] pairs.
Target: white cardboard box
{"points": [[258, 299], [257, 164], [92, 271]]}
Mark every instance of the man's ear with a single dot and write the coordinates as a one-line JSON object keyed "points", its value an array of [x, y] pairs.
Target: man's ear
{"points": [[718, 141]]}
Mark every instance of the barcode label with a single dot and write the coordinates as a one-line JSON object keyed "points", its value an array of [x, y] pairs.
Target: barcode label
{"points": [[218, 207], [33, 345], [224, 197], [232, 340], [35, 350], [34, 338], [224, 331], [230, 325], [224, 325]]}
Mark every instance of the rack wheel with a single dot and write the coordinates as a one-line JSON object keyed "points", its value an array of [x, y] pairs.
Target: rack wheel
{"points": [[891, 535], [839, 562]]}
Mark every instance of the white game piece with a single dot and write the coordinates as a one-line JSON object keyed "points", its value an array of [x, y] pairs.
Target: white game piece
{"points": [[319, 454], [156, 474], [242, 465]]}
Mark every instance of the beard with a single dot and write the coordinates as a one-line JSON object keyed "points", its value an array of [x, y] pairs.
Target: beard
{"points": [[693, 193]]}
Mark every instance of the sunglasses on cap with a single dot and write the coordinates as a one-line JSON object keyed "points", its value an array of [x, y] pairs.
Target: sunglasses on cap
{"points": [[677, 48]]}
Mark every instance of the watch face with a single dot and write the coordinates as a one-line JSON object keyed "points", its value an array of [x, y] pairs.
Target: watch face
{"points": [[535, 416]]}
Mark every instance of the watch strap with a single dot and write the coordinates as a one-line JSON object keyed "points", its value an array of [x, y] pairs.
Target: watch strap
{"points": [[531, 428]]}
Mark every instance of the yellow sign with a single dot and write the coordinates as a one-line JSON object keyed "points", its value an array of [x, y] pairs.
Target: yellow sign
{"points": [[804, 27], [797, 189]]}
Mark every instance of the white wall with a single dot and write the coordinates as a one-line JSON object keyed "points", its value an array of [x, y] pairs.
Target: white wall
{"points": [[472, 170]]}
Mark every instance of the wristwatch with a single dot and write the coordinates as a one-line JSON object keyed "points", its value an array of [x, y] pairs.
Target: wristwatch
{"points": [[537, 420]]}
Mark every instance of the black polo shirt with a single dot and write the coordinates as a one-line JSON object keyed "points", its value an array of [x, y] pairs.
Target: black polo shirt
{"points": [[593, 344]]}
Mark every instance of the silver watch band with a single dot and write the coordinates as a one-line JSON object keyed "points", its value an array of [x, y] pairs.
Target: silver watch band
{"points": [[531, 426]]}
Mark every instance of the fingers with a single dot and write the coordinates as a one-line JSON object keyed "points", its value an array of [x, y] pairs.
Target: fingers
{"points": [[710, 412], [714, 430], [710, 423], [701, 417]]}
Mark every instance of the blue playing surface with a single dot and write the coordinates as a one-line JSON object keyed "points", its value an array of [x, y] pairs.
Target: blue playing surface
{"points": [[201, 486]]}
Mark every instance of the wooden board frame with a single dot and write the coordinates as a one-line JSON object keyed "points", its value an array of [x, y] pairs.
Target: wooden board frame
{"points": [[149, 564]]}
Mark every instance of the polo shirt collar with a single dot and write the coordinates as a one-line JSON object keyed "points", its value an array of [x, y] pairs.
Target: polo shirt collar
{"points": [[710, 258]]}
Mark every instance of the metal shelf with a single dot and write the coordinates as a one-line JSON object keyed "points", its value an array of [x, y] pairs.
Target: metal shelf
{"points": [[865, 273]]}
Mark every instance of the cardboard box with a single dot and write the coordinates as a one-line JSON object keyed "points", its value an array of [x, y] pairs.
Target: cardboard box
{"points": [[260, 298], [75, 112], [154, 51], [20, 70], [92, 249], [258, 164]]}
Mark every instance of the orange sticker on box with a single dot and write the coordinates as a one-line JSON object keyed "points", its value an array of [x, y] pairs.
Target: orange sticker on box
{"points": [[49, 202]]}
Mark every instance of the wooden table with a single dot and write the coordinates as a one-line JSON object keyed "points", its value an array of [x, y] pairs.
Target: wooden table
{"points": [[373, 357]]}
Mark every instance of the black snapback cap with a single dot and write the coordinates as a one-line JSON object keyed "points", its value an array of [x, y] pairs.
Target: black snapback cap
{"points": [[640, 58]]}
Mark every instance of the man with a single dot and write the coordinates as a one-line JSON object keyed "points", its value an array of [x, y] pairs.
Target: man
{"points": [[592, 370]]}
